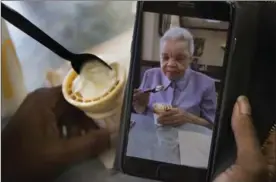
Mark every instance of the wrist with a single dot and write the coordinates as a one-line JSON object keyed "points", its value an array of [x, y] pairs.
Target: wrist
{"points": [[193, 119]]}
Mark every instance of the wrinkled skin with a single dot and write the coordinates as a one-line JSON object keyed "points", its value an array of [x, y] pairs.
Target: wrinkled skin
{"points": [[175, 58]]}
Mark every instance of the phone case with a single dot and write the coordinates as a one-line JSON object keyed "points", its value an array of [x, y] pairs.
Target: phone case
{"points": [[250, 72], [264, 106]]}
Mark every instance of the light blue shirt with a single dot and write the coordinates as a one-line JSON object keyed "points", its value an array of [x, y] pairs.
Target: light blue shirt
{"points": [[194, 92]]}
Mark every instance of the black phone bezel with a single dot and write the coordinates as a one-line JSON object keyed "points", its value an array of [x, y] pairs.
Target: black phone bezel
{"points": [[148, 168]]}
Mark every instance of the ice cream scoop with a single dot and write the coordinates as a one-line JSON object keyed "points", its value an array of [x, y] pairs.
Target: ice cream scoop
{"points": [[94, 80]]}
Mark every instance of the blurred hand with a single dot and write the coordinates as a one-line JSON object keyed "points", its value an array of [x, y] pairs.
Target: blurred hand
{"points": [[177, 116], [140, 100], [250, 165], [174, 117], [33, 147]]}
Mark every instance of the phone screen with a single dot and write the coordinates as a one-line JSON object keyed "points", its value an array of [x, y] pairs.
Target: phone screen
{"points": [[175, 97]]}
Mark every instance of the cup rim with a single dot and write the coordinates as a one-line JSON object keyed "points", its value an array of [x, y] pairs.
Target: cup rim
{"points": [[111, 94], [159, 111]]}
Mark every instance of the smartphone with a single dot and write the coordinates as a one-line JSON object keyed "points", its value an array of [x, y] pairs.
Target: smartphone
{"points": [[180, 54]]}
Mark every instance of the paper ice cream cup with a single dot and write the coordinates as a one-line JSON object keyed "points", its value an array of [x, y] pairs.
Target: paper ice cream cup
{"points": [[104, 110], [159, 108]]}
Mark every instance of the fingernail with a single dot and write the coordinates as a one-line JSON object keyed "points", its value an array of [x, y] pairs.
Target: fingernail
{"points": [[244, 106]]}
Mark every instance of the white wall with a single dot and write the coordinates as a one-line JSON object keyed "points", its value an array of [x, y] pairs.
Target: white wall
{"points": [[212, 55], [150, 44]]}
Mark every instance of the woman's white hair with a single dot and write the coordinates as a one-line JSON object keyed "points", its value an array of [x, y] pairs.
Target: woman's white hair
{"points": [[178, 33]]}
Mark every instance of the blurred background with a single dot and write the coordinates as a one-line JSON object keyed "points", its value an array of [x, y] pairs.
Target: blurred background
{"points": [[77, 25]]}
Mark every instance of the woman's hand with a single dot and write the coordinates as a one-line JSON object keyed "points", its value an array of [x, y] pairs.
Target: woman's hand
{"points": [[177, 116], [250, 165], [33, 147], [174, 116], [140, 100]]}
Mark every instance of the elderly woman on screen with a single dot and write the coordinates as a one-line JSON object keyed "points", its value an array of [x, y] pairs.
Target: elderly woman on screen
{"points": [[191, 94]]}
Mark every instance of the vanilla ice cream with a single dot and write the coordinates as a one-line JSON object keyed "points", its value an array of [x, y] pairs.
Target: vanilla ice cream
{"points": [[94, 80], [98, 91], [159, 108]]}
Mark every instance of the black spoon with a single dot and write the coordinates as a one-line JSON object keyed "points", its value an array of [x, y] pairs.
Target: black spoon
{"points": [[156, 89], [19, 21]]}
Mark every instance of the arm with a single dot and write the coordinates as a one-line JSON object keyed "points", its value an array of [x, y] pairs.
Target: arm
{"points": [[208, 108], [207, 115], [143, 86]]}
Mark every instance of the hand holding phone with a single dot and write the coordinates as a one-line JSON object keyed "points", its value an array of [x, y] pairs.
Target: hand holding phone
{"points": [[250, 165]]}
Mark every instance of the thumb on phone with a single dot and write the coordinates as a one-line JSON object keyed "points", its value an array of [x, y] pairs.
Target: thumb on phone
{"points": [[248, 147], [250, 165]]}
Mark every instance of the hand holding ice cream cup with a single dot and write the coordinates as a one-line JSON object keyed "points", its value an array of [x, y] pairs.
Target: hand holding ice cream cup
{"points": [[159, 108], [98, 91]]}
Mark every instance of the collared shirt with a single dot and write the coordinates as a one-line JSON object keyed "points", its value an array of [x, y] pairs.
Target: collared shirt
{"points": [[194, 92]]}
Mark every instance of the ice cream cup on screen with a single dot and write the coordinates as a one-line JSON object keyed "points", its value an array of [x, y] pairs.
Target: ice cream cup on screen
{"points": [[98, 91], [159, 108]]}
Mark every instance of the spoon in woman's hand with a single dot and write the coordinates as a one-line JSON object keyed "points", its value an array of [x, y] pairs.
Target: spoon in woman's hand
{"points": [[19, 21], [158, 88]]}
